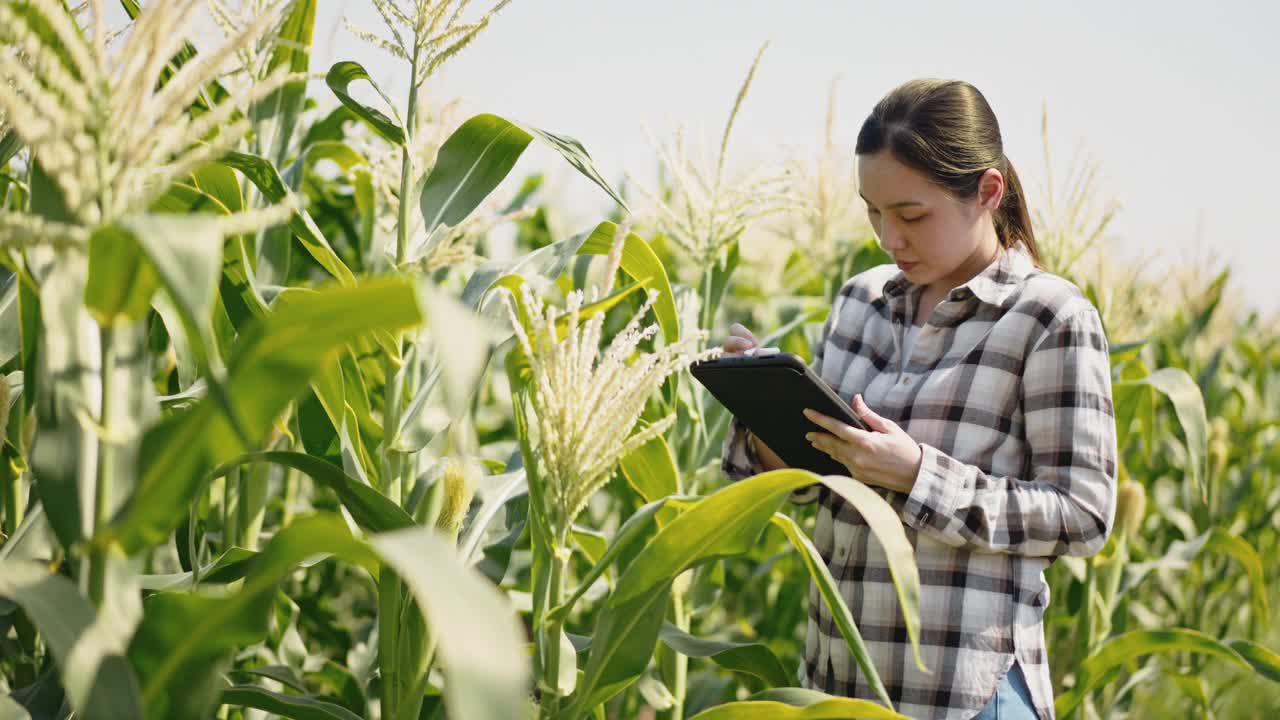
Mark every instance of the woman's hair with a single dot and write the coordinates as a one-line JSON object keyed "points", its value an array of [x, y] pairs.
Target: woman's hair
{"points": [[946, 130]]}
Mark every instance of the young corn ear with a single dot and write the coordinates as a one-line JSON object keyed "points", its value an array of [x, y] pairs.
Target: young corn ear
{"points": [[459, 478], [1131, 506]]}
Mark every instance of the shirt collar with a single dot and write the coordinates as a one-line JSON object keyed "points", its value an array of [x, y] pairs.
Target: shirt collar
{"points": [[993, 285]]}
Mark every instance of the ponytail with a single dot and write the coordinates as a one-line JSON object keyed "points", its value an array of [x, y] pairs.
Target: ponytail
{"points": [[1012, 221]]}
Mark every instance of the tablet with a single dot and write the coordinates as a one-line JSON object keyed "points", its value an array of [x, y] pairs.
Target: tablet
{"points": [[768, 394]]}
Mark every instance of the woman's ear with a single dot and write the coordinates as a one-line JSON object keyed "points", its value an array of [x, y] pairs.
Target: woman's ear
{"points": [[990, 189]]}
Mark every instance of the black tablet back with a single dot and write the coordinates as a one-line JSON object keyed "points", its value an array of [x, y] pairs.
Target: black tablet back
{"points": [[769, 395]]}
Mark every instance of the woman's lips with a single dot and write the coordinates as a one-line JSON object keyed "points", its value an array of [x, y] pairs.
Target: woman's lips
{"points": [[907, 265]]}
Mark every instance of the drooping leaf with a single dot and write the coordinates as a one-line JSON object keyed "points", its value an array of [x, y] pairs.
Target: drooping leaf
{"points": [[339, 79], [1097, 668], [297, 707], [372, 510], [830, 708], [752, 658]]}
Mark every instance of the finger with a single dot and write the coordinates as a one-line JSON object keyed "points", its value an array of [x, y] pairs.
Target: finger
{"points": [[873, 421], [834, 426], [820, 441], [741, 330], [829, 445], [733, 343]]}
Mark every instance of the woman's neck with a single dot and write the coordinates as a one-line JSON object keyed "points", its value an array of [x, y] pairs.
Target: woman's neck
{"points": [[978, 260]]}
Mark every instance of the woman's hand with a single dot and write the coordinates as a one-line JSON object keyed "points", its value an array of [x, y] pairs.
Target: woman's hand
{"points": [[739, 341], [887, 456]]}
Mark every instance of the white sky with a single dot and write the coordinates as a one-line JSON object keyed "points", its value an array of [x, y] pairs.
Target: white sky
{"points": [[1178, 101]]}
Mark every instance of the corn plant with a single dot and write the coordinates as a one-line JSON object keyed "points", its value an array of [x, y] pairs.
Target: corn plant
{"points": [[285, 434]]}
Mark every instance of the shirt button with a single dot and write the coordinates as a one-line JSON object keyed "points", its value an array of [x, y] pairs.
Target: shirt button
{"points": [[906, 381]]}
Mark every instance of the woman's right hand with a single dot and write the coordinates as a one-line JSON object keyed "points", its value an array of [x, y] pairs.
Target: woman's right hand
{"points": [[739, 340]]}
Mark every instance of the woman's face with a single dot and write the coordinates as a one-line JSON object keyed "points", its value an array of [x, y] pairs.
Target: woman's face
{"points": [[934, 238]]}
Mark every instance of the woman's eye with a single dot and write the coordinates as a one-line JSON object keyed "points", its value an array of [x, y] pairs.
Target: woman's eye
{"points": [[914, 219]]}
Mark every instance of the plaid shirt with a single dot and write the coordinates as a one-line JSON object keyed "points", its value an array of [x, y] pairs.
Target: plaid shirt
{"points": [[1008, 393]]}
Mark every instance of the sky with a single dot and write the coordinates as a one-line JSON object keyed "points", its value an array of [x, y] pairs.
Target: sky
{"points": [[1177, 102]]}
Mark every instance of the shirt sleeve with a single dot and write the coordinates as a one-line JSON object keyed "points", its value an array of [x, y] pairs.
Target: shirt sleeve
{"points": [[738, 459], [1067, 504]]}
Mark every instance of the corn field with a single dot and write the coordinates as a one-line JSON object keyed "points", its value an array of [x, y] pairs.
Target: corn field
{"points": [[315, 410]]}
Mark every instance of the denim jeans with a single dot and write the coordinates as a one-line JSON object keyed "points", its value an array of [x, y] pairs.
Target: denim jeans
{"points": [[1012, 700]]}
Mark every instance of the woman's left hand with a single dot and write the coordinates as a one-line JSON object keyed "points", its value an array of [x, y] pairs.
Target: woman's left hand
{"points": [[887, 456]]}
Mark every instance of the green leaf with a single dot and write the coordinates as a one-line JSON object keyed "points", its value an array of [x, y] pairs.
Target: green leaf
{"points": [[292, 50], [61, 457], [512, 484], [186, 255], [633, 529], [651, 470], [11, 710], [830, 591], [219, 182], [830, 709], [1188, 404], [640, 262], [1098, 668], [185, 639], [1220, 540], [339, 80], [371, 510], [888, 530], [298, 707], [752, 658], [10, 144], [577, 156], [480, 640], [91, 664], [1265, 661], [729, 521], [478, 156], [232, 565], [621, 648], [470, 164], [267, 179], [30, 328], [271, 365]]}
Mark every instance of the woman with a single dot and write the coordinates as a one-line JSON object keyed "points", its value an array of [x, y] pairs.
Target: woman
{"points": [[987, 385]]}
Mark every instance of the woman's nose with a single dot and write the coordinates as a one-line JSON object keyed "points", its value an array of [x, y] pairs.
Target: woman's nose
{"points": [[891, 239]]}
